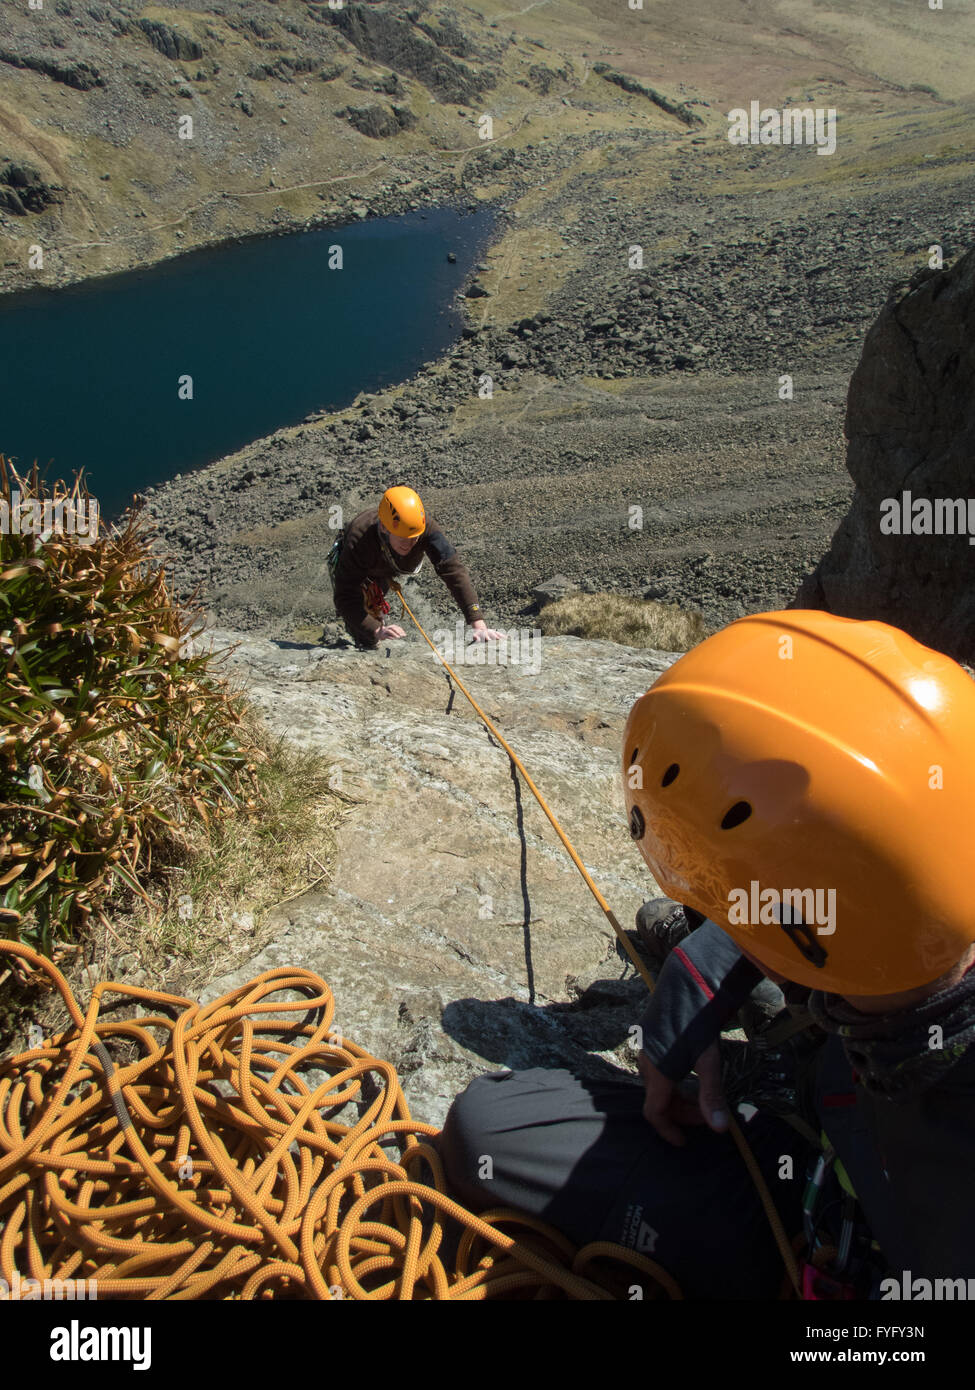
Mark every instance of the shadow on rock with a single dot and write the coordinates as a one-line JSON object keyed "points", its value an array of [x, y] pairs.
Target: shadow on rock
{"points": [[510, 1033]]}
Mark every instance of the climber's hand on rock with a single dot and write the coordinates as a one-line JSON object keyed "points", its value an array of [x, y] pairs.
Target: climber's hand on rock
{"points": [[483, 633], [389, 630], [667, 1109]]}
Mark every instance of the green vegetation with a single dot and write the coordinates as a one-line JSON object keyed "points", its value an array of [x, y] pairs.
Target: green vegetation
{"points": [[632, 622], [138, 792]]}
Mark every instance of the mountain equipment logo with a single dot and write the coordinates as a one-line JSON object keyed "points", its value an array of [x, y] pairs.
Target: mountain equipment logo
{"points": [[76, 1343], [646, 1239], [638, 1234]]}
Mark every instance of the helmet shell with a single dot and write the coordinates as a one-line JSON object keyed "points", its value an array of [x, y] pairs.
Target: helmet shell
{"points": [[401, 512], [808, 782]]}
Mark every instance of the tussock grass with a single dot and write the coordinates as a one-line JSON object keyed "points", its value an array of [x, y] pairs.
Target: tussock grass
{"points": [[218, 891], [631, 622], [144, 806]]}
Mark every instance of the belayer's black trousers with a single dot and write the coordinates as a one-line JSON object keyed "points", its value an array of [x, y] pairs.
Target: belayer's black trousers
{"points": [[579, 1154]]}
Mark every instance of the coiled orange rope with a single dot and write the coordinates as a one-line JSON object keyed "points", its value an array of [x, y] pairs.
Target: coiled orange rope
{"points": [[202, 1156]]}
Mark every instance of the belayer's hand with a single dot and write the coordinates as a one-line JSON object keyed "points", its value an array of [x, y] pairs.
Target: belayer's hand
{"points": [[389, 630], [483, 633], [667, 1110]]}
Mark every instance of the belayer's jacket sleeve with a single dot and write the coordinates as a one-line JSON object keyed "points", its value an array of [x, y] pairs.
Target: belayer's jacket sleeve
{"points": [[703, 983]]}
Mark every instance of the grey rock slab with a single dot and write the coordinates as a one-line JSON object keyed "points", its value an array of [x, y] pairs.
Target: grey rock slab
{"points": [[451, 895]]}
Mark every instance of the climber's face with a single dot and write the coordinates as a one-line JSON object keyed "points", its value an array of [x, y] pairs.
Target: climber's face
{"points": [[401, 544]]}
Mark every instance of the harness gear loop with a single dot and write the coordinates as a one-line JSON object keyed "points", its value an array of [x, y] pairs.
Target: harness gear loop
{"points": [[772, 1215], [374, 599]]}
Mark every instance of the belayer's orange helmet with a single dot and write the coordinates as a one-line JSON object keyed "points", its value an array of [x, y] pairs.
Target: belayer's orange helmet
{"points": [[808, 782], [401, 512]]}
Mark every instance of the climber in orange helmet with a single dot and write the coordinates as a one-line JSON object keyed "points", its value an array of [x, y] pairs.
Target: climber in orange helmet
{"points": [[805, 785], [387, 543]]}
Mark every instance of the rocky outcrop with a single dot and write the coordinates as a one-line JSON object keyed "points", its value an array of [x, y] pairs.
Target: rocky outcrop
{"points": [[455, 933], [383, 36], [629, 84], [78, 74], [379, 122], [904, 553], [23, 190], [286, 69], [171, 43]]}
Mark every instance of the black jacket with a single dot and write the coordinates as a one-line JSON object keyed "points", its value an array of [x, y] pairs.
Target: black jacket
{"points": [[910, 1156]]}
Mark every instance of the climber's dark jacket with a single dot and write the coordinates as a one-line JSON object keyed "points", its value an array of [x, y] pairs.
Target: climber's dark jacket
{"points": [[899, 1112], [364, 556]]}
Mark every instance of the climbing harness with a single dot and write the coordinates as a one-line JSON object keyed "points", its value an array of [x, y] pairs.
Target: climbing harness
{"points": [[774, 1220], [200, 1151]]}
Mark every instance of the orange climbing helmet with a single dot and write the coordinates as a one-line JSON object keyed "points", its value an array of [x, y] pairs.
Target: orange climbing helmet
{"points": [[808, 783], [401, 512]]}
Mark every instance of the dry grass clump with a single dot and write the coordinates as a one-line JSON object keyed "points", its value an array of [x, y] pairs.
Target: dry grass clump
{"points": [[136, 786], [631, 622]]}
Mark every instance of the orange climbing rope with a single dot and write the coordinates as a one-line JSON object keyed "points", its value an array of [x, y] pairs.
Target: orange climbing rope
{"points": [[208, 1151], [778, 1231]]}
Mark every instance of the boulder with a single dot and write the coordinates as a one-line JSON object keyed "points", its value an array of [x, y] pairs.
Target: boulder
{"points": [[378, 122], [551, 590]]}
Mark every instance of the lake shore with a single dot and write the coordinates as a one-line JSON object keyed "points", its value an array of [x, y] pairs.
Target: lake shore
{"points": [[611, 389], [613, 385]]}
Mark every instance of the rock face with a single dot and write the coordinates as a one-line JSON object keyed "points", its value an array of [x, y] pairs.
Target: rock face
{"points": [[630, 84], [385, 36], [910, 426], [456, 934], [379, 122], [73, 73], [22, 190], [171, 43]]}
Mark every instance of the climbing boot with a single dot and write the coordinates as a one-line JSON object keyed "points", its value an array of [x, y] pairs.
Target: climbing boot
{"points": [[661, 924]]}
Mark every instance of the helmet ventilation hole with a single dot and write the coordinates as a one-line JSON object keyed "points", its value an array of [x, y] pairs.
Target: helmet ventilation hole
{"points": [[738, 813], [637, 824], [669, 775], [634, 755]]}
